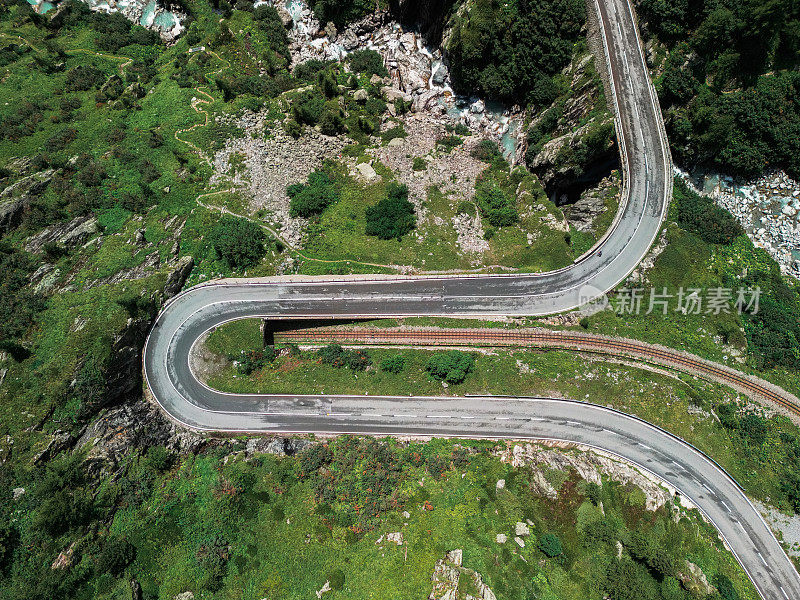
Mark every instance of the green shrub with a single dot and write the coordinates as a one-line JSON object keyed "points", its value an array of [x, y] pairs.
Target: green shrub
{"points": [[725, 587], [83, 78], [448, 142], [311, 198], [700, 216], [308, 107], [393, 364], [550, 545], [495, 204], [254, 360], [458, 129], [332, 120], [8, 540], [398, 131], [452, 366], [336, 579], [368, 62], [309, 70], [342, 12], [393, 216], [117, 553], [239, 242], [465, 207], [419, 164], [487, 151], [336, 356], [293, 128]]}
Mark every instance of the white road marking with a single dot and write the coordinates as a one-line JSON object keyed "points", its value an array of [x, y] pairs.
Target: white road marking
{"points": [[783, 591], [728, 508], [762, 559], [340, 414], [404, 416], [501, 418], [439, 416]]}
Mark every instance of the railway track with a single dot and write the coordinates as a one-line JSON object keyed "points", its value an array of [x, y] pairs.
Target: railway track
{"points": [[754, 387]]}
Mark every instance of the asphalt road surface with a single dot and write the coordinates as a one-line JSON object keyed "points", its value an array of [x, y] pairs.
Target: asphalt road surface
{"points": [[647, 170]]}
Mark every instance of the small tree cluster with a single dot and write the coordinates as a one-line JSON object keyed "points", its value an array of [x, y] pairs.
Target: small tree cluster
{"points": [[367, 62], [311, 198], [496, 206], [700, 216], [341, 358], [239, 242], [254, 360], [393, 364], [393, 217], [452, 366]]}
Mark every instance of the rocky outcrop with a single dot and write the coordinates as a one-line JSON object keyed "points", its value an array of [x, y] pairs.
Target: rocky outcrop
{"points": [[576, 157], [418, 68], [64, 235], [695, 581], [589, 465], [571, 163], [451, 581], [178, 277], [17, 196], [123, 429], [591, 204], [278, 446]]}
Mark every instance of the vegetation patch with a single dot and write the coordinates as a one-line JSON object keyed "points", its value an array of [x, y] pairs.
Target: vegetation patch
{"points": [[393, 217]]}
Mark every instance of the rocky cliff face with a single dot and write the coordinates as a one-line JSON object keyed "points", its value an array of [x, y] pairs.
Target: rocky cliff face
{"points": [[572, 145], [429, 15]]}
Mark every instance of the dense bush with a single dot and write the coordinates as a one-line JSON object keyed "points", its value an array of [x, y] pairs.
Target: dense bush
{"points": [[393, 364], [116, 555], [307, 108], [336, 356], [82, 78], [452, 366], [8, 539], [393, 216], [269, 22], [18, 304], [368, 62], [254, 360], [311, 198], [512, 50], [487, 151], [448, 142], [773, 332], [239, 242], [309, 70], [700, 216], [729, 103], [550, 545], [495, 204], [342, 12]]}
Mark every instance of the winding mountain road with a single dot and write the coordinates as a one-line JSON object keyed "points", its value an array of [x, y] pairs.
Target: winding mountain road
{"points": [[647, 177]]}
